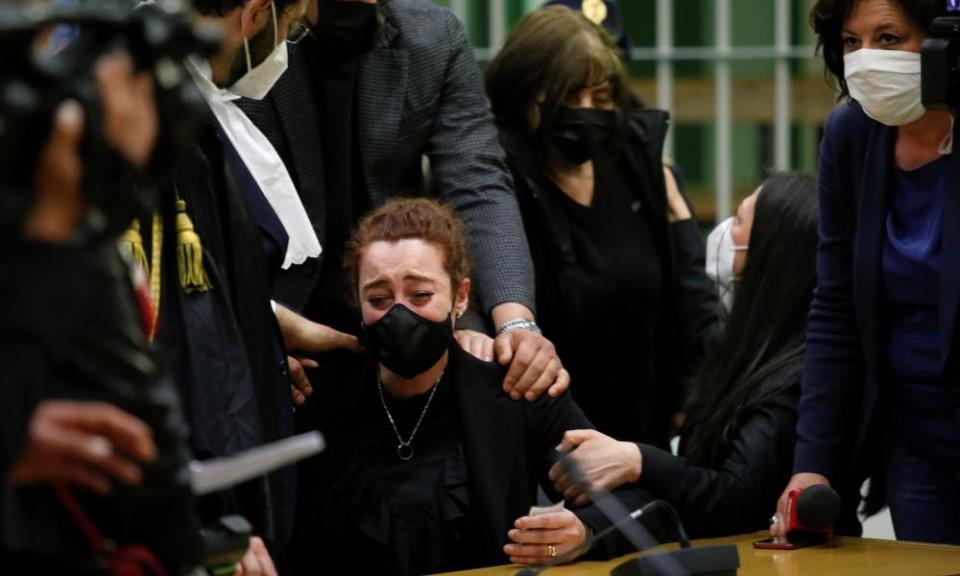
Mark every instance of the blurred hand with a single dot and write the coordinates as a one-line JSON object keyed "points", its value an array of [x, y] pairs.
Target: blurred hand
{"points": [[532, 536], [302, 335], [300, 386], [256, 562], [58, 203], [677, 208], [606, 462], [477, 344], [130, 126], [87, 444], [535, 367], [130, 120], [778, 528]]}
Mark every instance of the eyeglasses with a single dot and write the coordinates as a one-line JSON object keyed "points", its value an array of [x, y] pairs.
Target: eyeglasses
{"points": [[298, 30]]}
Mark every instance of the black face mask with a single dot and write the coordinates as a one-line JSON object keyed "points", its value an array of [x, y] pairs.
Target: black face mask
{"points": [[347, 27], [582, 134], [406, 343]]}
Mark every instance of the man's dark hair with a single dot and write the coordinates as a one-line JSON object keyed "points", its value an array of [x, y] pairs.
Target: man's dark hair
{"points": [[552, 53], [765, 333], [828, 16], [222, 7]]}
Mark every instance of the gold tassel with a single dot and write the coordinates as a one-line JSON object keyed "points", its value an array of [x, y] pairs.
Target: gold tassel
{"points": [[193, 277], [131, 245]]}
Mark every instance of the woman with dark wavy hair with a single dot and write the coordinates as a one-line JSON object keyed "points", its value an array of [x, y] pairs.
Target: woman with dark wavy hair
{"points": [[880, 390], [736, 449]]}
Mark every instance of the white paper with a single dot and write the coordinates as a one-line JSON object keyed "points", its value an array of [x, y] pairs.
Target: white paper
{"points": [[538, 510], [219, 473]]}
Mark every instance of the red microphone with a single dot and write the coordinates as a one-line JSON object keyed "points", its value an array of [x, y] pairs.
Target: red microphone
{"points": [[813, 510], [811, 513]]}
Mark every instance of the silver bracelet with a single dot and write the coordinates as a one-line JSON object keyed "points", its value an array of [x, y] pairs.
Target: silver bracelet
{"points": [[519, 324]]}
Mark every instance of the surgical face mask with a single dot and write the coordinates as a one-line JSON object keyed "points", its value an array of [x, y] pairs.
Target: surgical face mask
{"points": [[721, 251], [886, 84], [259, 79], [406, 343], [582, 134]]}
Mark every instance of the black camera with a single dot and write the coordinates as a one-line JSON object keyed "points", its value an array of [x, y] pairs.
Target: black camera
{"points": [[34, 82], [940, 58]]}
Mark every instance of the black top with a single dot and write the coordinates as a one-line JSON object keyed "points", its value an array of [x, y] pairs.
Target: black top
{"points": [[402, 517], [384, 515], [739, 492], [617, 279], [334, 75], [661, 325]]}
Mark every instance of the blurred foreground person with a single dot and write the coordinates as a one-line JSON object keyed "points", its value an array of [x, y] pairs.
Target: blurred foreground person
{"points": [[72, 325]]}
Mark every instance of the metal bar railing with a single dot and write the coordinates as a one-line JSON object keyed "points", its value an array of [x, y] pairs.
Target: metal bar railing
{"points": [[723, 144]]}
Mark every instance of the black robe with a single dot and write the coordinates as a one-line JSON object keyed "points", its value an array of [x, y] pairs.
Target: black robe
{"points": [[224, 345]]}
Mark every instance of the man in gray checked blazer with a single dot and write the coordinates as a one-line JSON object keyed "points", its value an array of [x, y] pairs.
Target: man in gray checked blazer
{"points": [[373, 89]]}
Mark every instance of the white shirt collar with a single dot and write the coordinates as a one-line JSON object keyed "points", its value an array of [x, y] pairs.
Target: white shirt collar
{"points": [[263, 162]]}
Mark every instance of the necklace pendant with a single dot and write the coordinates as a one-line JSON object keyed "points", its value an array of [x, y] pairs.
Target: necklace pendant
{"points": [[404, 451]]}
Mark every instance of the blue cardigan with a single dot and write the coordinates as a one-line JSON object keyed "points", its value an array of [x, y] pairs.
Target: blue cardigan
{"points": [[845, 357]]}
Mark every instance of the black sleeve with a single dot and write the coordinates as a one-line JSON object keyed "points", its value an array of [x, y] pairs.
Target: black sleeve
{"points": [[471, 175], [547, 420], [26, 350], [696, 300], [22, 373], [741, 494]]}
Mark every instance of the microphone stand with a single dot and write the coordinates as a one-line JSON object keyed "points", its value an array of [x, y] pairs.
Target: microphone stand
{"points": [[721, 560]]}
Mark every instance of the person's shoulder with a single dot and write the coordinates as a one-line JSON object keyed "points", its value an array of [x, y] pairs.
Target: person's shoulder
{"points": [[487, 375], [420, 21], [847, 119], [780, 388], [645, 118]]}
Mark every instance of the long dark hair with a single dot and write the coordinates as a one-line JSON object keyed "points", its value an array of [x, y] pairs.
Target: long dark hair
{"points": [[764, 334], [551, 53], [827, 19]]}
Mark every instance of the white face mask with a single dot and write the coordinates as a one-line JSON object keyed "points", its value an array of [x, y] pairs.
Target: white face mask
{"points": [[886, 83], [721, 251], [258, 81]]}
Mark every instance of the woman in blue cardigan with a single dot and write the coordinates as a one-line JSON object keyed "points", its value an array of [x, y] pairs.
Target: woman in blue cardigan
{"points": [[880, 388]]}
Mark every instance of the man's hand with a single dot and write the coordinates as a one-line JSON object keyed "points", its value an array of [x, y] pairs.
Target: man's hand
{"points": [[302, 335], [606, 462], [130, 126], [83, 443], [477, 344], [300, 386], [535, 537], [534, 365], [778, 528], [130, 121], [256, 562]]}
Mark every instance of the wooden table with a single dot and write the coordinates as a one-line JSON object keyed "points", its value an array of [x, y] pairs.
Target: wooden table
{"points": [[849, 557]]}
